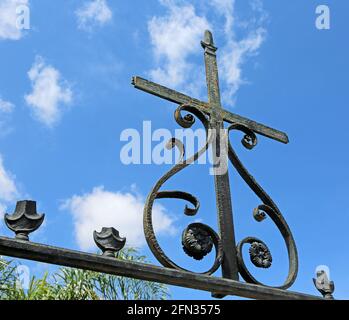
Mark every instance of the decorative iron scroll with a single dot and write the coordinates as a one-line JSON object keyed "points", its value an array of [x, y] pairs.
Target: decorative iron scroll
{"points": [[198, 239], [211, 236], [268, 208]]}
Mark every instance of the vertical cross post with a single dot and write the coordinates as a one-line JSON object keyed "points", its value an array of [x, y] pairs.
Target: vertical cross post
{"points": [[222, 186]]}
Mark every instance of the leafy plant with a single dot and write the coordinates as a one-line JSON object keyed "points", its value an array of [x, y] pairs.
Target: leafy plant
{"points": [[7, 277]]}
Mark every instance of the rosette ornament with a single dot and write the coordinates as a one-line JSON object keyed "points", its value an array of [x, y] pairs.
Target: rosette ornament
{"points": [[24, 220], [197, 241], [260, 255], [109, 241]]}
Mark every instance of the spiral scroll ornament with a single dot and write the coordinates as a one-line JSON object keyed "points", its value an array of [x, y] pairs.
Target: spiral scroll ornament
{"points": [[259, 252], [198, 239]]}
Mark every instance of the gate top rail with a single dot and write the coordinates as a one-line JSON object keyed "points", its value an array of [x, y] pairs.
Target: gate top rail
{"points": [[88, 261]]}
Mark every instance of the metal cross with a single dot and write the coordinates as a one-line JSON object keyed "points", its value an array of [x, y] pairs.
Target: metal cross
{"points": [[217, 117], [197, 239]]}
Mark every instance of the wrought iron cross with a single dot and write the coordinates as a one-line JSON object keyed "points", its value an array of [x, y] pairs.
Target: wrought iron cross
{"points": [[217, 116], [198, 239]]}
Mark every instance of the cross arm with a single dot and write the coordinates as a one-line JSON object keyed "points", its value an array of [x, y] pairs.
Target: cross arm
{"points": [[168, 94], [256, 127], [180, 98]]}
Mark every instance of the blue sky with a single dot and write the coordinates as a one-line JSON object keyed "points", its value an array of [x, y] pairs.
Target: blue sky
{"points": [[66, 96]]}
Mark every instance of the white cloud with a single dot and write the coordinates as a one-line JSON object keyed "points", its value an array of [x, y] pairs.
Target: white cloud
{"points": [[8, 189], [175, 37], [6, 106], [3, 209], [92, 13], [123, 211], [49, 92], [226, 9], [6, 109], [236, 50], [233, 56], [8, 19]]}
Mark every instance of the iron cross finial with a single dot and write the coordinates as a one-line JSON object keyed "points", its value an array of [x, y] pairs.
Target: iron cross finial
{"points": [[213, 116]]}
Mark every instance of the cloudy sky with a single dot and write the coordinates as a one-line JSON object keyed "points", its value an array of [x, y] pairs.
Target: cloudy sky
{"points": [[66, 96]]}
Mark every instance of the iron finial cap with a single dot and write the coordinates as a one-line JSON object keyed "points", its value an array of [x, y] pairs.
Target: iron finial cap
{"points": [[24, 220], [324, 285], [109, 241]]}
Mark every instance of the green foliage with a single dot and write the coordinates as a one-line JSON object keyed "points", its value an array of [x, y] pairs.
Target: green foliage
{"points": [[76, 284], [39, 289], [7, 277]]}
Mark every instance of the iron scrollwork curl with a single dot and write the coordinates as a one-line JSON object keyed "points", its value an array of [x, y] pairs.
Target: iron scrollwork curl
{"points": [[197, 238], [259, 252]]}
